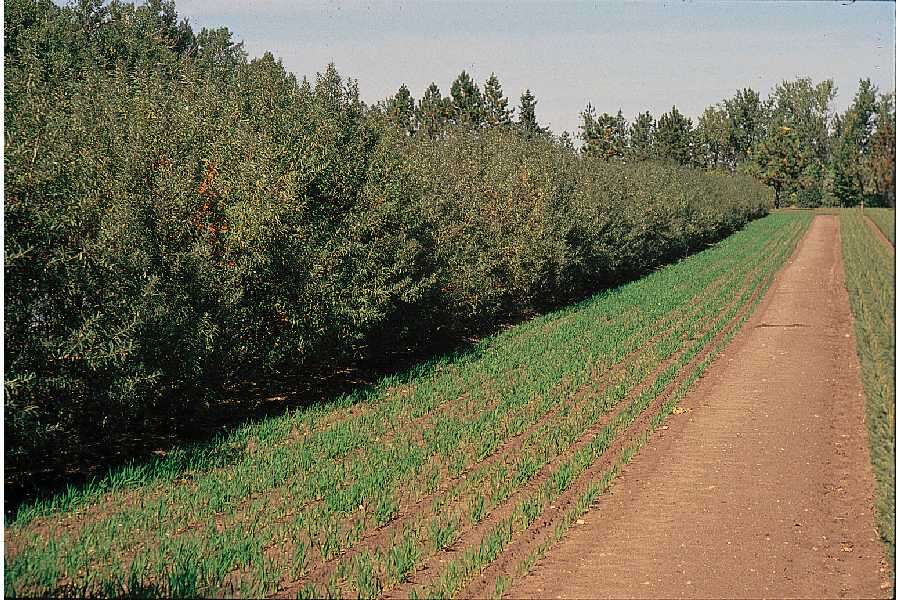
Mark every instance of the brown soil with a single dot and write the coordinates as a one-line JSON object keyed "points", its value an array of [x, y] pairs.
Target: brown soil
{"points": [[763, 486], [428, 572], [878, 232]]}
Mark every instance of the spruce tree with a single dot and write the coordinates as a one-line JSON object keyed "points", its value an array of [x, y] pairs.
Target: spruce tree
{"points": [[433, 111], [467, 102], [401, 110], [640, 137], [495, 103], [527, 116]]}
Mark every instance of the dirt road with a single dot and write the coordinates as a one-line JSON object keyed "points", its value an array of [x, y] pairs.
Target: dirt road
{"points": [[763, 486]]}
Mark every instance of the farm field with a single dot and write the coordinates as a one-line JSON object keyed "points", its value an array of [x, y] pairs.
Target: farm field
{"points": [[277, 329], [762, 485], [886, 220], [415, 486], [871, 282]]}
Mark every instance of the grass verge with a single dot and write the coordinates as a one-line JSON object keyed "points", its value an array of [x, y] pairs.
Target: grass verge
{"points": [[886, 220], [871, 279]]}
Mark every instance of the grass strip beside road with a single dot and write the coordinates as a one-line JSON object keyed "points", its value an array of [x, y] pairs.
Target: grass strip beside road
{"points": [[886, 220], [871, 279]]}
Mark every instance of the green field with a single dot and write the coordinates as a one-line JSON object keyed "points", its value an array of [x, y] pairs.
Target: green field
{"points": [[871, 279], [886, 220], [470, 449]]}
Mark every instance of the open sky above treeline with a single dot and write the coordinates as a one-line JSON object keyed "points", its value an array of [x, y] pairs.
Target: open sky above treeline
{"points": [[635, 56]]}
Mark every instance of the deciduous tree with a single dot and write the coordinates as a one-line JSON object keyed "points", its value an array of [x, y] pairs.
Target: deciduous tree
{"points": [[805, 108], [714, 139], [853, 131], [880, 164], [779, 161], [747, 119]]}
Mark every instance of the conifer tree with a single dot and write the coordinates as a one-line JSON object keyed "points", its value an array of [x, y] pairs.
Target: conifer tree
{"points": [[565, 140], [589, 132], [611, 135], [495, 103], [674, 138], [433, 111], [401, 110], [527, 116], [467, 102], [640, 137]]}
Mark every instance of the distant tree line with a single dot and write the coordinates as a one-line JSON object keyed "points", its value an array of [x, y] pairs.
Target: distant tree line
{"points": [[467, 106], [791, 141]]}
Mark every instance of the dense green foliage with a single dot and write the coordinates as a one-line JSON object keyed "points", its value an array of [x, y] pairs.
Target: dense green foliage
{"points": [[356, 496], [180, 218], [791, 141], [869, 265]]}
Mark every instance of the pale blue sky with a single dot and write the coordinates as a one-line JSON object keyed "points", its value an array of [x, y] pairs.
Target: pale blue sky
{"points": [[635, 56]]}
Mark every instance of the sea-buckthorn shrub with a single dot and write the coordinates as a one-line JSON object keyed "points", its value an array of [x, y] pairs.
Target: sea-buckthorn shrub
{"points": [[180, 219]]}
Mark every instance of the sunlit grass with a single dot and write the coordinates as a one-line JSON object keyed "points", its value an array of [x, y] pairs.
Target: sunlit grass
{"points": [[886, 220], [871, 280]]}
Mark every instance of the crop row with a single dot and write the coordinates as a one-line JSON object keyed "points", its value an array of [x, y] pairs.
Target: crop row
{"points": [[871, 277], [492, 487]]}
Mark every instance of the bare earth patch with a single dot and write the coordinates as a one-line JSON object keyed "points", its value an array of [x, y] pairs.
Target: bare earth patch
{"points": [[762, 485]]}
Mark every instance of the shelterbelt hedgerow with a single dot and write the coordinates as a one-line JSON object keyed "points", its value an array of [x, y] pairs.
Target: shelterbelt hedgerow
{"points": [[181, 220]]}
